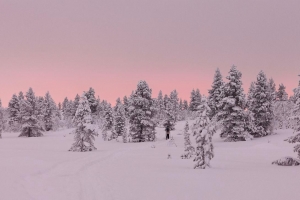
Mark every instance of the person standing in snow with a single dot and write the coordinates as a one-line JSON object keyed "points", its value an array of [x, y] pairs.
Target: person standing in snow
{"points": [[167, 132]]}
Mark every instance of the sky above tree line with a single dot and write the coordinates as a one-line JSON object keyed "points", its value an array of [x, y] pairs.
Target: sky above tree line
{"points": [[65, 47]]}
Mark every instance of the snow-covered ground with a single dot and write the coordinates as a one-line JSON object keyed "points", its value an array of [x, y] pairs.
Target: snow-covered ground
{"points": [[43, 169]]}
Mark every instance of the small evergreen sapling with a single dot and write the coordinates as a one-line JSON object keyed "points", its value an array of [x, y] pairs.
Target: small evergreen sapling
{"points": [[188, 148], [85, 131]]}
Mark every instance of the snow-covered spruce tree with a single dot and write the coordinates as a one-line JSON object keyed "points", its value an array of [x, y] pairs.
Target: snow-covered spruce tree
{"points": [[261, 106], [126, 106], [85, 131], [203, 131], [188, 148], [13, 114], [75, 104], [170, 115], [142, 111], [119, 121], [30, 116], [108, 122], [50, 113], [65, 105], [231, 114], [281, 94], [216, 93], [21, 96], [160, 107], [1, 119], [195, 100], [175, 101], [250, 95], [272, 89], [90, 95]]}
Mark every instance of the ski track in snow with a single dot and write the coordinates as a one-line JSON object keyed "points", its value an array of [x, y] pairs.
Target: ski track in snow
{"points": [[43, 169]]}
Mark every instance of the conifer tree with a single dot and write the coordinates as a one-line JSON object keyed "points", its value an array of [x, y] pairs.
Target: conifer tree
{"points": [[90, 95], [170, 116], [203, 132], [30, 116], [175, 104], [185, 105], [119, 121], [261, 106], [195, 100], [281, 95], [21, 96], [85, 132], [1, 119], [250, 95], [126, 106], [75, 104], [14, 113], [231, 113], [50, 112], [142, 113], [160, 106], [272, 88], [188, 148], [216, 93]]}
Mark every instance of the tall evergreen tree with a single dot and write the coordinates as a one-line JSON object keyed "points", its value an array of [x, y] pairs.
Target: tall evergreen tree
{"points": [[120, 120], [85, 132], [216, 93], [250, 95], [14, 113], [90, 95], [262, 106], [50, 112], [175, 101], [126, 106], [30, 116], [75, 104], [142, 112], [272, 88], [203, 132], [170, 115], [231, 113], [188, 148], [21, 96], [281, 95], [195, 100], [160, 106], [1, 119]]}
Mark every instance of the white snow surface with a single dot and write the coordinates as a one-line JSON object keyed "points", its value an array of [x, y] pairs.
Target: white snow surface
{"points": [[43, 169]]}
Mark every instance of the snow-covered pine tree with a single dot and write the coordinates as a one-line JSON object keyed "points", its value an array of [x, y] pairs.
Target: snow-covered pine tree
{"points": [[185, 105], [195, 100], [170, 115], [126, 106], [142, 112], [13, 114], [30, 116], [90, 95], [231, 114], [160, 107], [1, 119], [216, 93], [203, 131], [261, 106], [188, 148], [250, 95], [272, 89], [50, 113], [21, 96], [85, 131], [75, 104], [119, 121], [108, 121], [175, 101], [281, 95]]}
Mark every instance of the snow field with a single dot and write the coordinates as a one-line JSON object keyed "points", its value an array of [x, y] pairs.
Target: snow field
{"points": [[43, 169]]}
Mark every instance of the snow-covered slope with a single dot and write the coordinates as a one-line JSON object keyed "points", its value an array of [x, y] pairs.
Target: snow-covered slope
{"points": [[43, 169]]}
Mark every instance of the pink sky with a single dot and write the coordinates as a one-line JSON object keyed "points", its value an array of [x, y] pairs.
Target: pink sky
{"points": [[67, 46]]}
